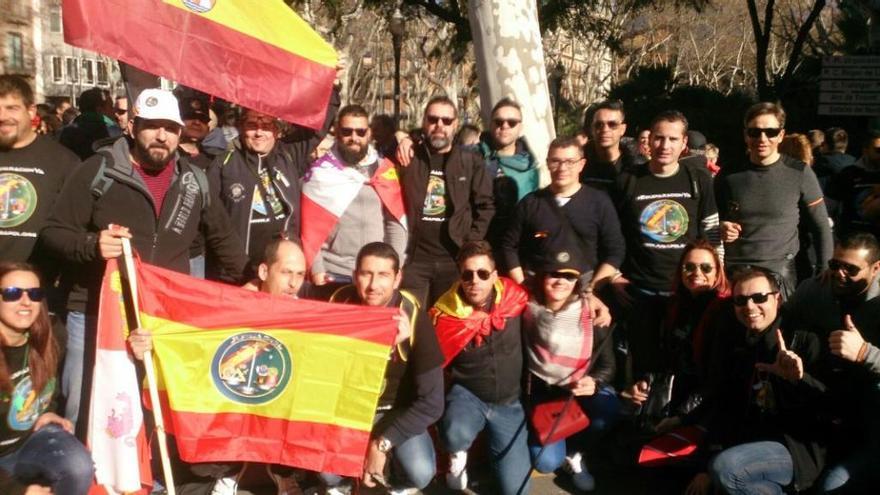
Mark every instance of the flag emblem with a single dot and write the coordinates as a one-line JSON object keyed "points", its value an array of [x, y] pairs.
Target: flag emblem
{"points": [[251, 368], [200, 6]]}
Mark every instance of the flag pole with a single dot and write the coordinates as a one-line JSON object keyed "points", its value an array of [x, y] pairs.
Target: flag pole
{"points": [[151, 371]]}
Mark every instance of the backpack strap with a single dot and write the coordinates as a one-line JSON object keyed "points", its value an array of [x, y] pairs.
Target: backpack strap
{"points": [[202, 181], [101, 183]]}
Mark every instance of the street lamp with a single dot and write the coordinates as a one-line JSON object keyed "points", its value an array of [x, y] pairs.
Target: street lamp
{"points": [[397, 28]]}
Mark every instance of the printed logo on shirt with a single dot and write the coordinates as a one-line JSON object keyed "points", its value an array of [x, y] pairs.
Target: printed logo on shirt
{"points": [[664, 221], [236, 192], [18, 200], [251, 368], [26, 406], [435, 200], [200, 6]]}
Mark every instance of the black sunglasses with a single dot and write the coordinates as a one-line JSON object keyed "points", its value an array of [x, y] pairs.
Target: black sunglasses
{"points": [[849, 269], [571, 277], [348, 131], [120, 111], [433, 119], [12, 294], [755, 132], [757, 297], [468, 275], [706, 268], [510, 122]]}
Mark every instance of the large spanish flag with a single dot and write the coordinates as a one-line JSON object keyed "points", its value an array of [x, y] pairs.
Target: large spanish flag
{"points": [[257, 53], [252, 377]]}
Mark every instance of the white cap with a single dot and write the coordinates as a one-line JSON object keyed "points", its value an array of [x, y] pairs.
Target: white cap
{"points": [[157, 104]]}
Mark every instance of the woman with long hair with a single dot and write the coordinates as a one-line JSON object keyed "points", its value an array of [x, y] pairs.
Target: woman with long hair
{"points": [[37, 447]]}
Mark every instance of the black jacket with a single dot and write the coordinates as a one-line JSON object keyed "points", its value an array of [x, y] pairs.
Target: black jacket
{"points": [[467, 185], [79, 215]]}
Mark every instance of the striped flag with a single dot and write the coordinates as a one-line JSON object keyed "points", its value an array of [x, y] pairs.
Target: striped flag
{"points": [[116, 424], [331, 186], [246, 376], [257, 53]]}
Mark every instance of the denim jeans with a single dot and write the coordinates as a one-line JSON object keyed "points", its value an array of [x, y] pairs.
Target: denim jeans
{"points": [[72, 377], [197, 266], [466, 416], [603, 409], [414, 464], [53, 456], [758, 468]]}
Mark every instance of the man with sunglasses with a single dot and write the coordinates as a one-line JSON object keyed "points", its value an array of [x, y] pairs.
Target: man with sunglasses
{"points": [[478, 325], [842, 308], [120, 111], [351, 197], [761, 202], [606, 157], [448, 202], [857, 187]]}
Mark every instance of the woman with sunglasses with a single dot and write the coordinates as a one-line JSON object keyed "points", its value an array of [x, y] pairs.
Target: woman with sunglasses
{"points": [[36, 445], [566, 355]]}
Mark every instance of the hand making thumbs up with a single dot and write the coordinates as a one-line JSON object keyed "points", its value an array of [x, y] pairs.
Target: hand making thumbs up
{"points": [[788, 365], [847, 343]]}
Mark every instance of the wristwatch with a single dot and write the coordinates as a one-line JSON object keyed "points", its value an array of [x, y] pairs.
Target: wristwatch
{"points": [[384, 445]]}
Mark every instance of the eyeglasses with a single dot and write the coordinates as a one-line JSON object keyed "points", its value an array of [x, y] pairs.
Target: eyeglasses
{"points": [[706, 268], [468, 275], [567, 276], [120, 111], [348, 131], [770, 132], [558, 163], [510, 122], [757, 297], [611, 124], [13, 294], [434, 119], [848, 268]]}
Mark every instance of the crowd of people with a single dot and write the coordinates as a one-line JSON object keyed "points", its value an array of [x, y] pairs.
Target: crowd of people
{"points": [[718, 325]]}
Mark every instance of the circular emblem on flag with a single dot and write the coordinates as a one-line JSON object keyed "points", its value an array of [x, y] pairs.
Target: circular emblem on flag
{"points": [[200, 6], [251, 368], [18, 200]]}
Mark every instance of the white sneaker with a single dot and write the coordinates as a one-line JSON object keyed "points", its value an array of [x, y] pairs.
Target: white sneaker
{"points": [[225, 486], [456, 478], [344, 489], [403, 491], [582, 479]]}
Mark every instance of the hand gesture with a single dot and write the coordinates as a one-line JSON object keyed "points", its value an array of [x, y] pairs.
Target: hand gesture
{"points": [[637, 393], [405, 150], [110, 241], [788, 365], [599, 312], [374, 466], [730, 231], [404, 330], [619, 287], [586, 386], [140, 342], [846, 343], [52, 418]]}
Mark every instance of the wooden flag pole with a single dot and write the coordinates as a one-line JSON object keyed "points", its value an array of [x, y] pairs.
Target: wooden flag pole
{"points": [[151, 372]]}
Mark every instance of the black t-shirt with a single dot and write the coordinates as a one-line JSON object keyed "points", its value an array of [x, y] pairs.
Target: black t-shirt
{"points": [[433, 241], [30, 180], [20, 409], [267, 217], [660, 215]]}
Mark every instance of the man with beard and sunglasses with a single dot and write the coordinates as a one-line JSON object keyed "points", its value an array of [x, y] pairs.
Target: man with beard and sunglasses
{"points": [[762, 201], [479, 328], [138, 188], [351, 197], [842, 308], [448, 202]]}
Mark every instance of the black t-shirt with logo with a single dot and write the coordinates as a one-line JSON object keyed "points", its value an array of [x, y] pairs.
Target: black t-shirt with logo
{"points": [[267, 217], [20, 409], [30, 180], [433, 241]]}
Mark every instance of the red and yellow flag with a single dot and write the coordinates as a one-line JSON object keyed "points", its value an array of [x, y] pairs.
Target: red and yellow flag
{"points": [[257, 53], [252, 377]]}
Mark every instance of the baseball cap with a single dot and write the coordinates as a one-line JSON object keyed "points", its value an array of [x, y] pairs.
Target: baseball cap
{"points": [[696, 140], [194, 108], [157, 104]]}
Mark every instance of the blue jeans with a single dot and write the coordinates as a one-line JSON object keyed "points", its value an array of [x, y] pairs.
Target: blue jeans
{"points": [[53, 456], [413, 464], [603, 409], [466, 416], [758, 468], [197, 266], [72, 377]]}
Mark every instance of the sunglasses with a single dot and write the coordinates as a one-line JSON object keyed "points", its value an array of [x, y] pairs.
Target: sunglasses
{"points": [[13, 294], [757, 297], [849, 269], [120, 111], [611, 124], [469, 275], [770, 132], [433, 119], [348, 131], [510, 122], [568, 276], [706, 268], [260, 126]]}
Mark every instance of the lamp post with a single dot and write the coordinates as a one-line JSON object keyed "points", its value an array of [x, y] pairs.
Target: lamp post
{"points": [[397, 28]]}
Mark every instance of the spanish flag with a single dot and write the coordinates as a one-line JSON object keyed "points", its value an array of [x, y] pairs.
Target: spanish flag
{"points": [[253, 377], [257, 53]]}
